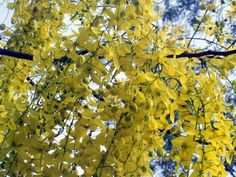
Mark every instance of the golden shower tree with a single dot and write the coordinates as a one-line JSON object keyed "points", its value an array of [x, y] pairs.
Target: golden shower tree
{"points": [[102, 97]]}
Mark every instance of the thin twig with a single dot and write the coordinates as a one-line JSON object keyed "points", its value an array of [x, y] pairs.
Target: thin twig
{"points": [[207, 40], [196, 30]]}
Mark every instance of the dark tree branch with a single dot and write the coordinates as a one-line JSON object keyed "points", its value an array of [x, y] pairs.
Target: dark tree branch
{"points": [[209, 54], [15, 54], [230, 170], [27, 56]]}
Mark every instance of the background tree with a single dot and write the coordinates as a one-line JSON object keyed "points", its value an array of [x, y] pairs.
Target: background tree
{"points": [[121, 89]]}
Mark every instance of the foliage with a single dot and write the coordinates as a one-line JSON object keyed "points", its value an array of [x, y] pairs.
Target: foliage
{"points": [[114, 93]]}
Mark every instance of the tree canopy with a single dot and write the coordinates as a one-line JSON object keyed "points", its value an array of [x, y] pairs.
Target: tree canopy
{"points": [[116, 90]]}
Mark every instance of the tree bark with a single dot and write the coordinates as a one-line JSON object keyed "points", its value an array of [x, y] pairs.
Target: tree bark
{"points": [[209, 54]]}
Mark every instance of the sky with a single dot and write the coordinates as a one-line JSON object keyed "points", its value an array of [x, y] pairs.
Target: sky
{"points": [[5, 14]]}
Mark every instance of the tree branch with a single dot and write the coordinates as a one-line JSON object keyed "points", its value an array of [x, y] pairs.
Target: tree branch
{"points": [[15, 54], [230, 170], [209, 53], [27, 56]]}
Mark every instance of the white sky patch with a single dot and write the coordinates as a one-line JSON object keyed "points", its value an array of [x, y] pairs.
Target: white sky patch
{"points": [[5, 13], [121, 76], [79, 170]]}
